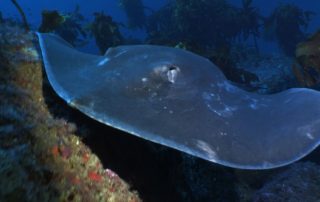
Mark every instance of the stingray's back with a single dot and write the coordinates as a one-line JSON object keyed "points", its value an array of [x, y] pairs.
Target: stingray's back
{"points": [[181, 100]]}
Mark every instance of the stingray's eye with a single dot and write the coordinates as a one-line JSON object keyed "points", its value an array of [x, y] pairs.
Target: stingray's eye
{"points": [[172, 73], [173, 67], [168, 73]]}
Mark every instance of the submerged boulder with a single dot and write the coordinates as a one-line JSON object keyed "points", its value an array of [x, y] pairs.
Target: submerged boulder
{"points": [[307, 66], [301, 182], [41, 158]]}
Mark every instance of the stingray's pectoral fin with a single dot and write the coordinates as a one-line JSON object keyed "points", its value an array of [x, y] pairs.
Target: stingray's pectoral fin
{"points": [[181, 100]]}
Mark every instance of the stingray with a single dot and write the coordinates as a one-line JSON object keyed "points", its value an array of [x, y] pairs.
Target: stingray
{"points": [[181, 100]]}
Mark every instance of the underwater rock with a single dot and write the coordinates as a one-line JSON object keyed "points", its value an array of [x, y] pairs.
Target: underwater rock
{"points": [[274, 73], [307, 66], [41, 158], [205, 182], [301, 182], [223, 57]]}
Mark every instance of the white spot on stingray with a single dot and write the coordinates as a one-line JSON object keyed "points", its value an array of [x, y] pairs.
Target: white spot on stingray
{"points": [[215, 111], [103, 61], [223, 133], [169, 111], [229, 109], [310, 136], [310, 129], [226, 112], [227, 86], [209, 96], [207, 149], [206, 96], [253, 104]]}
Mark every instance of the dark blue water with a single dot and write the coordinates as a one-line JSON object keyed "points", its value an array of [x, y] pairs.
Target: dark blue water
{"points": [[33, 9]]}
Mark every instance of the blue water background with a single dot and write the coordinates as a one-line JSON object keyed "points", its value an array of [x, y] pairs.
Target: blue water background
{"points": [[33, 10]]}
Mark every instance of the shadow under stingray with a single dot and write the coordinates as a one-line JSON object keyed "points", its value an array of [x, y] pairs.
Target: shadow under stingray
{"points": [[157, 172]]}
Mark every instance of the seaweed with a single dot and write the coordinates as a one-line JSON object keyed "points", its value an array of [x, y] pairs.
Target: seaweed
{"points": [[211, 23], [250, 19], [105, 32], [285, 25], [68, 26], [1, 18], [51, 20], [24, 19], [161, 27]]}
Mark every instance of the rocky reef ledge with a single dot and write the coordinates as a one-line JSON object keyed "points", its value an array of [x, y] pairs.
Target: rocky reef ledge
{"points": [[41, 157]]}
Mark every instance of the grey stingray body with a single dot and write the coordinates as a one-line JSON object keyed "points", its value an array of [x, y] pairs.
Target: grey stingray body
{"points": [[181, 100]]}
